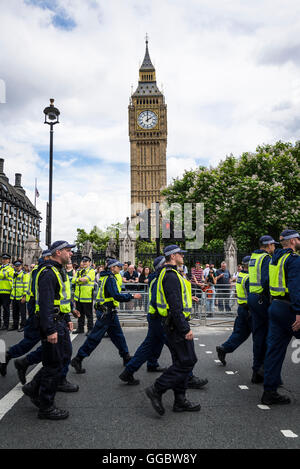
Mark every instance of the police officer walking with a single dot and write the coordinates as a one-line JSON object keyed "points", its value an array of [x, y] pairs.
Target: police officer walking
{"points": [[284, 313], [259, 302], [53, 305], [151, 347], [108, 297], [243, 323], [174, 304], [18, 296], [83, 295], [6, 278]]}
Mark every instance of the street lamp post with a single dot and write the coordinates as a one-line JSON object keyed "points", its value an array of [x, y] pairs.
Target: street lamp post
{"points": [[51, 118]]}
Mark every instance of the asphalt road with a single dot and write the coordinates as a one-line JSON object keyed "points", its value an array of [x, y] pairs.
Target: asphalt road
{"points": [[107, 413]]}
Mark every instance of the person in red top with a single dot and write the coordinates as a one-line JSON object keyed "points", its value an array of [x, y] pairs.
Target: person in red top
{"points": [[197, 273]]}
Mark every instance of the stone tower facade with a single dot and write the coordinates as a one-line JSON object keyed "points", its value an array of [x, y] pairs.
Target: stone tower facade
{"points": [[148, 139]]}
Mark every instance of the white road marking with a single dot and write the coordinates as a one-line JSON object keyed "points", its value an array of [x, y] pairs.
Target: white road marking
{"points": [[208, 351], [229, 372], [217, 361], [241, 386], [196, 338], [263, 407], [202, 345], [14, 395], [289, 434]]}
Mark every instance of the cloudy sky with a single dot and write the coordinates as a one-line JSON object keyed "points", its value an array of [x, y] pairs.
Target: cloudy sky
{"points": [[229, 70]]}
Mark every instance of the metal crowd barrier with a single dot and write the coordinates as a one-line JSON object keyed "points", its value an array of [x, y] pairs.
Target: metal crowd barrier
{"points": [[217, 305]]}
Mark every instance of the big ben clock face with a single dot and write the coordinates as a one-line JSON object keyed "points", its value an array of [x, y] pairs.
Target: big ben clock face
{"points": [[147, 119]]}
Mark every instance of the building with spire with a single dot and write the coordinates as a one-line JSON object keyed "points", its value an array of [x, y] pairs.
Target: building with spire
{"points": [[148, 139], [19, 218]]}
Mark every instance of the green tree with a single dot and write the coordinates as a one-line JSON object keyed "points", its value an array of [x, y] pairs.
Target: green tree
{"points": [[255, 194], [99, 238]]}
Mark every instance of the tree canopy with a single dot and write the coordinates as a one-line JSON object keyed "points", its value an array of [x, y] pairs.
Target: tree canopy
{"points": [[246, 197], [99, 238]]}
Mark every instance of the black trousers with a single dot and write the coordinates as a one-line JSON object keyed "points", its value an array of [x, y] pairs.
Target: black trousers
{"points": [[183, 361], [19, 310], [85, 309], [4, 304], [54, 358]]}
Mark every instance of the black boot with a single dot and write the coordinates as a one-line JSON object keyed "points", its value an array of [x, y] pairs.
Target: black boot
{"points": [[66, 386], [76, 362], [181, 404], [156, 369], [257, 378], [155, 398], [221, 354], [53, 413], [3, 366], [21, 365], [196, 383], [128, 378], [126, 359], [272, 397]]}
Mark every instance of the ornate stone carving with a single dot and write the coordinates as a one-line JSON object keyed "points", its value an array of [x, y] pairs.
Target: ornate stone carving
{"points": [[32, 251]]}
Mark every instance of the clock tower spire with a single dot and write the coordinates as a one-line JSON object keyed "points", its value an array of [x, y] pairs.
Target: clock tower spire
{"points": [[148, 138]]}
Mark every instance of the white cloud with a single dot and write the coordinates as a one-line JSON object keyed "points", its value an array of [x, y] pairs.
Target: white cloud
{"points": [[228, 69]]}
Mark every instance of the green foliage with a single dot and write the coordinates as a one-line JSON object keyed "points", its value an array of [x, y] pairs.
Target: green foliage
{"points": [[98, 238], [246, 197]]}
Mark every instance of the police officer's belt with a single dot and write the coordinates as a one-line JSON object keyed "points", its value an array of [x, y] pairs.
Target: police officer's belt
{"points": [[283, 299]]}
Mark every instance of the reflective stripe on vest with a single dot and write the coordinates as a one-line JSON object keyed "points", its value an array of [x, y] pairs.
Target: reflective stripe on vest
{"points": [[277, 283], [64, 302], [186, 293], [241, 292], [101, 292], [254, 268]]}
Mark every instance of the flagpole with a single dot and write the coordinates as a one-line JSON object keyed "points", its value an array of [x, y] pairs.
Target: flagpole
{"points": [[35, 194]]}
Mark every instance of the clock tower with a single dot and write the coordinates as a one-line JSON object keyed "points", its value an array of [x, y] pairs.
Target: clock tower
{"points": [[148, 139]]}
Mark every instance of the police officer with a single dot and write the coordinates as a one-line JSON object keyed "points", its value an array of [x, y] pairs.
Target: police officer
{"points": [[243, 323], [18, 296], [83, 295], [151, 347], [108, 297], [6, 278], [31, 332], [174, 304], [53, 305], [284, 312], [259, 301]]}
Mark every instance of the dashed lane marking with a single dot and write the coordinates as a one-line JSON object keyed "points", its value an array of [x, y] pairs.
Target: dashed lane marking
{"points": [[14, 395], [289, 434]]}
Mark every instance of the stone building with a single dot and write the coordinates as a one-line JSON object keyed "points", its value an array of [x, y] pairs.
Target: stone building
{"points": [[18, 216], [148, 138]]}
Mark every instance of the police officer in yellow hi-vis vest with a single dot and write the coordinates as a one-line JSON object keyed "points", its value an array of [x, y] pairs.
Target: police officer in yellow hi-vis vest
{"points": [[83, 295], [18, 296], [6, 277], [259, 302], [174, 304], [243, 323], [108, 297], [284, 312], [52, 309]]}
